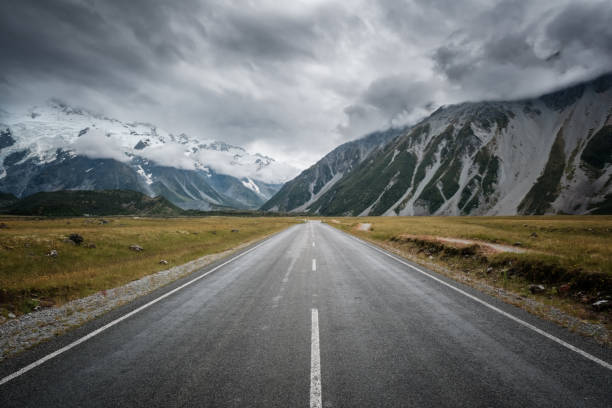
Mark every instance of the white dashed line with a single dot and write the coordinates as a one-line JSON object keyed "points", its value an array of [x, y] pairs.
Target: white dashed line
{"points": [[314, 265], [315, 363]]}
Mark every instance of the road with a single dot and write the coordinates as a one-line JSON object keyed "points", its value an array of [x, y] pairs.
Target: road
{"points": [[314, 317]]}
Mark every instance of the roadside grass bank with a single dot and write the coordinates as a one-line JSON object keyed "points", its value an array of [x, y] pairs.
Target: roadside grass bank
{"points": [[563, 262], [48, 262]]}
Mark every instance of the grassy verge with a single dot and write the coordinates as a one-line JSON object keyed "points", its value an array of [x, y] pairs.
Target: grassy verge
{"points": [[570, 256], [29, 277]]}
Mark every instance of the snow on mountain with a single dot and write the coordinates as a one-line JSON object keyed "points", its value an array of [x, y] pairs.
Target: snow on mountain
{"points": [[161, 162], [551, 154]]}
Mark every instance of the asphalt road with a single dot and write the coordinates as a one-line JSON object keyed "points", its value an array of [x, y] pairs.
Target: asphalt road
{"points": [[314, 317]]}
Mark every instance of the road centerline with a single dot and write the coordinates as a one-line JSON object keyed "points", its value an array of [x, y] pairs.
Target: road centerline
{"points": [[315, 363], [314, 265]]}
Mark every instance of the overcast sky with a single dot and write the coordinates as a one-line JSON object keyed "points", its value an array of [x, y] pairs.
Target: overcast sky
{"points": [[293, 79]]}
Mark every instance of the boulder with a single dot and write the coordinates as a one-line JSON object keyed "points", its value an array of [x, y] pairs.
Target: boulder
{"points": [[536, 288], [76, 238], [601, 305], [52, 253], [163, 262], [136, 248]]}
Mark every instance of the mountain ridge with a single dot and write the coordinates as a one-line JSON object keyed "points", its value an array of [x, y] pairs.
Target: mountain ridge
{"points": [[544, 155], [59, 147]]}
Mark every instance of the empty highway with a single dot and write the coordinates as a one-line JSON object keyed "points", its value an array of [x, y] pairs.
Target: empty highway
{"points": [[312, 317]]}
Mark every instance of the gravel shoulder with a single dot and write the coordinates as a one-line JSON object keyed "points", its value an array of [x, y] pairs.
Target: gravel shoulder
{"points": [[17, 335]]}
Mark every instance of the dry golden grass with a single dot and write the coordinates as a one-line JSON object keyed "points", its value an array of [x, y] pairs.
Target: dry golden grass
{"points": [[26, 270], [576, 242]]}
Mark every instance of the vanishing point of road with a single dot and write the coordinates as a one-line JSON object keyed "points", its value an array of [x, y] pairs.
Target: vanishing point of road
{"points": [[312, 317]]}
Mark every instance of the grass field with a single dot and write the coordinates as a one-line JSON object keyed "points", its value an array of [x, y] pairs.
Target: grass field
{"points": [[576, 242], [28, 276], [570, 255]]}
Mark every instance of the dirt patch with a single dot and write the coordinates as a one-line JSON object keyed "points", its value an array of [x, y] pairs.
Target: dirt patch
{"points": [[364, 227], [487, 247]]}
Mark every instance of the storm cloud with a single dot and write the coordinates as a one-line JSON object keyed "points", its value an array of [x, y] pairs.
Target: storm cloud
{"points": [[293, 80]]}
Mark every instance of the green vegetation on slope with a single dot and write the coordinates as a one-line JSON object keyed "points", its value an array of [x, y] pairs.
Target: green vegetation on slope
{"points": [[598, 151], [445, 182], [546, 188], [98, 202], [386, 177]]}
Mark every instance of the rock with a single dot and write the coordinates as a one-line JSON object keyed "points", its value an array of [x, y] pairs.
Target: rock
{"points": [[136, 248], [91, 245], [534, 235], [235, 230], [489, 269], [45, 303], [52, 253], [163, 262], [565, 288], [76, 238], [536, 288], [601, 305], [103, 221], [11, 315], [525, 225], [518, 244]]}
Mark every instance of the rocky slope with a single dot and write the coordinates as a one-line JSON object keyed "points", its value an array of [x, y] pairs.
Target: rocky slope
{"points": [[299, 193], [57, 147], [551, 154]]}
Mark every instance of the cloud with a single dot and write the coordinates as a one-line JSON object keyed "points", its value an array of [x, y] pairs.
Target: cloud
{"points": [[96, 145], [224, 162], [513, 50], [390, 101], [169, 154], [293, 79]]}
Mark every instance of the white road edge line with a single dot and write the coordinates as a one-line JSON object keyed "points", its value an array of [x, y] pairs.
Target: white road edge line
{"points": [[118, 320], [496, 309], [314, 265], [315, 363]]}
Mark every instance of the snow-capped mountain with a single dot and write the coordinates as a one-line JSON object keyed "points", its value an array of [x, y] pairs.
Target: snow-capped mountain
{"points": [[551, 154], [55, 146]]}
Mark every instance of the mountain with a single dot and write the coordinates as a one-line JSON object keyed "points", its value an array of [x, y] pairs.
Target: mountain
{"points": [[298, 194], [546, 155], [58, 147], [102, 202]]}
